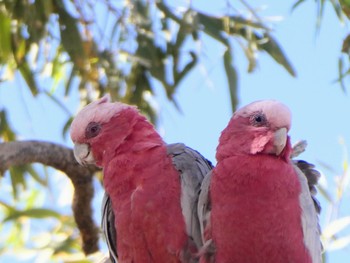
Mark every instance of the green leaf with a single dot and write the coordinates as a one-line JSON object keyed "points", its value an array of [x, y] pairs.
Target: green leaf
{"points": [[28, 76], [345, 2], [36, 176], [179, 75], [213, 26], [32, 213], [6, 133], [167, 12], [69, 84], [58, 68], [66, 127], [341, 75], [17, 179], [5, 33], [70, 36], [272, 47], [296, 4], [232, 78], [7, 206], [338, 9]]}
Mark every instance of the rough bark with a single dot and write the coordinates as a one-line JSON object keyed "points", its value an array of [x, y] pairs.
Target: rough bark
{"points": [[60, 158]]}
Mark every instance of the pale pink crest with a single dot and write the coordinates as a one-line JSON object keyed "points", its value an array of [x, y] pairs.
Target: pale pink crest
{"points": [[276, 112], [100, 111]]}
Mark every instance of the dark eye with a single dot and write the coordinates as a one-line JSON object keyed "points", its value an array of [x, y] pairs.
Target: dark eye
{"points": [[258, 119], [92, 130]]}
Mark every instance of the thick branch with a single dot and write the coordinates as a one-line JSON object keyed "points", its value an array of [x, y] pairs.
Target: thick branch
{"points": [[61, 158]]}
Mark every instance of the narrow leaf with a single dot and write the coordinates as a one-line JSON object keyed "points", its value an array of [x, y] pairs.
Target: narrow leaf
{"points": [[339, 243], [28, 76], [325, 194], [33, 213], [213, 26], [336, 226], [36, 176], [275, 51], [297, 4], [66, 127], [5, 33], [70, 36], [232, 78], [17, 179]]}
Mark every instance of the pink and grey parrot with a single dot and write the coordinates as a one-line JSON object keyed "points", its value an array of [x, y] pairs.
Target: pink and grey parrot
{"points": [[257, 205], [150, 209]]}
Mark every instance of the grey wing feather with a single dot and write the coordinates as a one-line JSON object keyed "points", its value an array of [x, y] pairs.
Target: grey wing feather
{"points": [[308, 178], [108, 228], [204, 206], [192, 167]]}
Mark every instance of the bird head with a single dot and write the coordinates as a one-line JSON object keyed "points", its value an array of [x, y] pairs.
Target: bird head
{"points": [[260, 127], [100, 127]]}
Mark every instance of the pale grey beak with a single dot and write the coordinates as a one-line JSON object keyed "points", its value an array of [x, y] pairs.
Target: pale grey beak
{"points": [[82, 154], [280, 140]]}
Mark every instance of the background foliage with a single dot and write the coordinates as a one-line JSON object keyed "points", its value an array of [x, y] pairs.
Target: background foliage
{"points": [[128, 49]]}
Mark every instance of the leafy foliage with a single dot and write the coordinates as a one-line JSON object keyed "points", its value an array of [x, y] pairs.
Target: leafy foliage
{"points": [[135, 44], [134, 47], [129, 51]]}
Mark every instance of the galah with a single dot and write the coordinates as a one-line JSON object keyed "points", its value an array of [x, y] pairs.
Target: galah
{"points": [[256, 205], [150, 211]]}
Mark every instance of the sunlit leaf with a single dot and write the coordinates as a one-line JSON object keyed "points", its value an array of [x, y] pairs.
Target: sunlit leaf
{"points": [[339, 243], [5, 33], [31, 199], [336, 226], [57, 72], [7, 206], [6, 132]]}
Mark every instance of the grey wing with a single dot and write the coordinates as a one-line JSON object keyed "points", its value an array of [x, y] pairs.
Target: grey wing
{"points": [[308, 177], [204, 206], [192, 167], [108, 227]]}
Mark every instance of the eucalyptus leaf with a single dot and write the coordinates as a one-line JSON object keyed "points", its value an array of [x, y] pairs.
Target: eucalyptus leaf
{"points": [[37, 213]]}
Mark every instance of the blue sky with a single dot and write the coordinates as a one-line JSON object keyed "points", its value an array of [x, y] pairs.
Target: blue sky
{"points": [[320, 109]]}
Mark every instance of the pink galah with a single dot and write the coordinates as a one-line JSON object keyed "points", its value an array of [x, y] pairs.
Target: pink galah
{"points": [[256, 205], [150, 210]]}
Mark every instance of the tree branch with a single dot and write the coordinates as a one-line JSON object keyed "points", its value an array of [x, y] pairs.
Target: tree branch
{"points": [[60, 158]]}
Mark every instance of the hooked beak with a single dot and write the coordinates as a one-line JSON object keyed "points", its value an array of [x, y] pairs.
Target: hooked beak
{"points": [[82, 154], [280, 140]]}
